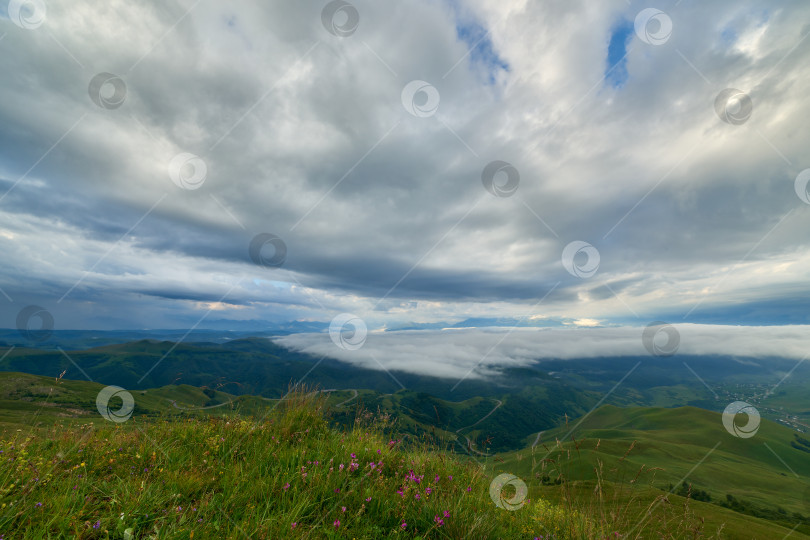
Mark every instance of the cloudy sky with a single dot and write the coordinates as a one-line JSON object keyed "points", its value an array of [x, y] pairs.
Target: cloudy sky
{"points": [[167, 163]]}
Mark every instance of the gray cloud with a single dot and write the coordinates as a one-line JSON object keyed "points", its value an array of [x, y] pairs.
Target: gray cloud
{"points": [[304, 136]]}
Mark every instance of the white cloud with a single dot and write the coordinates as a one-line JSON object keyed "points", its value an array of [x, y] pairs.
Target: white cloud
{"points": [[483, 352]]}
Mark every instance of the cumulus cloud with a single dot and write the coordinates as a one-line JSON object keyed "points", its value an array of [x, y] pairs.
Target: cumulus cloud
{"points": [[304, 135], [484, 352]]}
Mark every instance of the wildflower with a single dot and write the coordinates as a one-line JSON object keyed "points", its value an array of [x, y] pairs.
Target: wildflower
{"points": [[450, 478], [368, 500], [439, 521], [427, 491], [97, 524], [336, 523], [403, 525], [446, 514], [343, 509], [437, 479], [469, 489], [286, 486], [294, 525], [38, 505]]}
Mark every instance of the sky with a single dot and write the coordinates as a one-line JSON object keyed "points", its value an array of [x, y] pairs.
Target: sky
{"points": [[165, 164]]}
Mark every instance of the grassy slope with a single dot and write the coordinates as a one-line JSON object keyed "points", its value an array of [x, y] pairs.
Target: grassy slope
{"points": [[673, 441], [289, 476]]}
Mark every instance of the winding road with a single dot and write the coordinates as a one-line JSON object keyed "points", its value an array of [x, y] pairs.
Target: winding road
{"points": [[470, 444]]}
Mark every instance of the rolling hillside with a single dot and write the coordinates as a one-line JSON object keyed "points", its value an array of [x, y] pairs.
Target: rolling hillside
{"points": [[762, 477]]}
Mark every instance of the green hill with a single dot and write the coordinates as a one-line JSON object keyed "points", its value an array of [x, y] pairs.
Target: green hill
{"points": [[679, 449]]}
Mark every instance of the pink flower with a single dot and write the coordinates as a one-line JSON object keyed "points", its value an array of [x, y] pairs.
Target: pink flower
{"points": [[439, 521], [446, 514], [286, 486], [343, 508], [294, 525], [469, 488], [403, 524], [368, 500], [336, 523]]}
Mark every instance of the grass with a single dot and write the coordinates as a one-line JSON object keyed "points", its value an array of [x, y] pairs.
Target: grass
{"points": [[280, 469], [289, 475]]}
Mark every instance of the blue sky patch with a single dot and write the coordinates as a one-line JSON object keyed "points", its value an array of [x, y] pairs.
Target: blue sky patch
{"points": [[616, 69], [482, 53]]}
